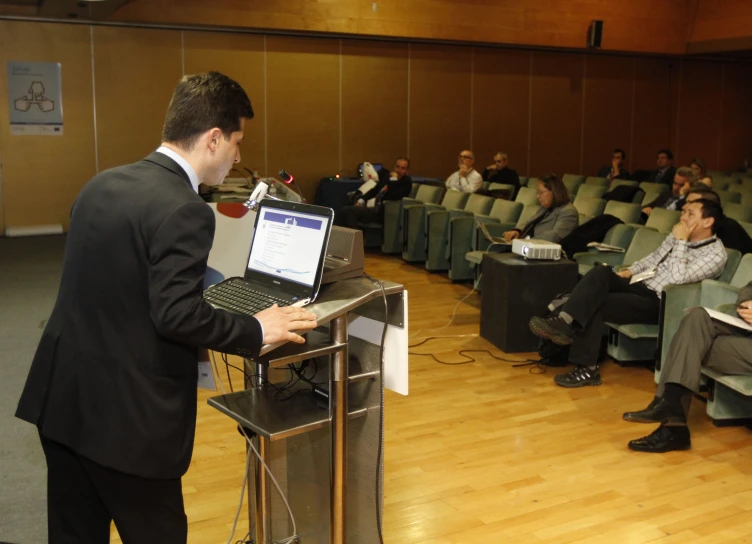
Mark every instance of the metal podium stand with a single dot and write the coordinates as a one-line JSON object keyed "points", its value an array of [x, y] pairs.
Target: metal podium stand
{"points": [[297, 427]]}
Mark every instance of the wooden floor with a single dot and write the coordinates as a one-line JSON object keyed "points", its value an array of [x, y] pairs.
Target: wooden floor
{"points": [[485, 452]]}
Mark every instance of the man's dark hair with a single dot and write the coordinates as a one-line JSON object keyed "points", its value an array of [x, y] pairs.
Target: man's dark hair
{"points": [[705, 192], [623, 153], [666, 152], [710, 209], [402, 158], [557, 188], [202, 102]]}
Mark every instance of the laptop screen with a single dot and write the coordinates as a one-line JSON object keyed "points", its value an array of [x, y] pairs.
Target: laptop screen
{"points": [[289, 246]]}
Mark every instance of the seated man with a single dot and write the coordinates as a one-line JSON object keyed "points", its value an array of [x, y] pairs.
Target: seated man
{"points": [[466, 179], [499, 171], [689, 254], [700, 341], [684, 178], [616, 170], [665, 170], [395, 187]]}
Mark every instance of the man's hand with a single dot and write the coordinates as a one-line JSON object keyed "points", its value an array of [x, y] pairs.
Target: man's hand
{"points": [[279, 322], [646, 210], [682, 232], [492, 167], [360, 203], [510, 235], [626, 273], [463, 170], [393, 176], [615, 165], [745, 311]]}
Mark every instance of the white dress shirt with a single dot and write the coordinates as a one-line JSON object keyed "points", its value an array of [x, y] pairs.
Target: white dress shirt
{"points": [[467, 184]]}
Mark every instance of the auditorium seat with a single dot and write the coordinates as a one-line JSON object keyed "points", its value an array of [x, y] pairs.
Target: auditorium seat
{"points": [[589, 207], [464, 235], [414, 221], [595, 180], [527, 196], [740, 212], [626, 211], [590, 191], [438, 229], [394, 215], [663, 220]]}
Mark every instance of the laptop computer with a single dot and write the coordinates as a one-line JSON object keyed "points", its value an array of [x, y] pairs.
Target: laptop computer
{"points": [[493, 239], [285, 262]]}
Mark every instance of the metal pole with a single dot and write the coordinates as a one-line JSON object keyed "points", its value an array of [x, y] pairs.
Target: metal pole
{"points": [[262, 497], [338, 398]]}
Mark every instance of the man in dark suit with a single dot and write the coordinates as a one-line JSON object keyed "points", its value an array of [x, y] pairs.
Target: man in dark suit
{"points": [[499, 172], [684, 179], [616, 170], [665, 167], [112, 387], [394, 186], [700, 342]]}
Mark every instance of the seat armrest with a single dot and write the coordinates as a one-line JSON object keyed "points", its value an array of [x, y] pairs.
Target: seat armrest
{"points": [[716, 292], [728, 309], [589, 258]]}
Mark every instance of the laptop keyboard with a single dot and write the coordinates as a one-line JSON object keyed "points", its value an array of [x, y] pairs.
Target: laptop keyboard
{"points": [[240, 298]]}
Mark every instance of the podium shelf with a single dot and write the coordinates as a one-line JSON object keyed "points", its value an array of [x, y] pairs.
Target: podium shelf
{"points": [[256, 409]]}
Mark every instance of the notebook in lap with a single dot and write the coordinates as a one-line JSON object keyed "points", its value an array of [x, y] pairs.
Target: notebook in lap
{"points": [[286, 259]]}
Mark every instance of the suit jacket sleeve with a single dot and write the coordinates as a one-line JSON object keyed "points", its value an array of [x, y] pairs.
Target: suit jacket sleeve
{"points": [[178, 254], [745, 293]]}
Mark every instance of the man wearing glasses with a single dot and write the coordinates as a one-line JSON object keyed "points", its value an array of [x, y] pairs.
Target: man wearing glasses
{"points": [[466, 179], [616, 170]]}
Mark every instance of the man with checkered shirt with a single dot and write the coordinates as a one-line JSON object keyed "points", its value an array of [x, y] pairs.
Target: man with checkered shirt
{"points": [[691, 253]]}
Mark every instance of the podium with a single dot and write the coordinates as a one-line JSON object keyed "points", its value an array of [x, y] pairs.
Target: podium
{"points": [[516, 289], [325, 458]]}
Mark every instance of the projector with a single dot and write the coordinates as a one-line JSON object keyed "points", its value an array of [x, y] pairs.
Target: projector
{"points": [[537, 249]]}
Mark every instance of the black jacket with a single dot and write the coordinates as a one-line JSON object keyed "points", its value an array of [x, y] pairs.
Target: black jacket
{"points": [[605, 172], [668, 176], [505, 175], [395, 190], [114, 377]]}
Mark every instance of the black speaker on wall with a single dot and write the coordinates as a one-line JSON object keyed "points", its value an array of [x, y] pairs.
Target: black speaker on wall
{"points": [[595, 33]]}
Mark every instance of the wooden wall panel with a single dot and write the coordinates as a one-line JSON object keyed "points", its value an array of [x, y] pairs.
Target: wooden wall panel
{"points": [[136, 71], [556, 122], [637, 25], [440, 108], [303, 108], [501, 106], [608, 110], [374, 103], [721, 25], [42, 175], [736, 117], [699, 112], [241, 58], [656, 96]]}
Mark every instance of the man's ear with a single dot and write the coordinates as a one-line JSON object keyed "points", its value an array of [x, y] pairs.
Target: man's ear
{"points": [[215, 135]]}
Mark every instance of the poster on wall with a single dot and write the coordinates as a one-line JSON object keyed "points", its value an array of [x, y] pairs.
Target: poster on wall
{"points": [[35, 97]]}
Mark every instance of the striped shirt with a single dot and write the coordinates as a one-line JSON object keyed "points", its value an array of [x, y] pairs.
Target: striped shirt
{"points": [[678, 262]]}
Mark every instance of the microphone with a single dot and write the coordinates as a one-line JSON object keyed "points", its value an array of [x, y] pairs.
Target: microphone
{"points": [[288, 180]]}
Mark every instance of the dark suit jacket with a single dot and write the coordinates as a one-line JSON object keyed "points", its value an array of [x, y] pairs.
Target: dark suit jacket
{"points": [[668, 176], [114, 376], [605, 172], [505, 175], [395, 190]]}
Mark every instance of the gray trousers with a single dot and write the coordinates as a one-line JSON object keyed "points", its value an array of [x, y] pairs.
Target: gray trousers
{"points": [[701, 341]]}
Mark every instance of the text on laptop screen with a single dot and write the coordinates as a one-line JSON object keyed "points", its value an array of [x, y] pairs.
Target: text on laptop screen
{"points": [[288, 244]]}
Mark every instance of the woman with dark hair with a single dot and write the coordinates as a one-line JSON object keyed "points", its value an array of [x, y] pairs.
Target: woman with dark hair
{"points": [[555, 218], [701, 172]]}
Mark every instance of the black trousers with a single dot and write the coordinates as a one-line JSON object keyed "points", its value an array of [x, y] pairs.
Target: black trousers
{"points": [[602, 296], [350, 216], [83, 498]]}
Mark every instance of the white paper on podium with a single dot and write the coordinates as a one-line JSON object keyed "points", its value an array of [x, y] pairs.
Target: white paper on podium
{"points": [[395, 347]]}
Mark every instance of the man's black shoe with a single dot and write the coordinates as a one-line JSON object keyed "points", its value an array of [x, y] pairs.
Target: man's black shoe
{"points": [[664, 438], [658, 411], [554, 328], [581, 375]]}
